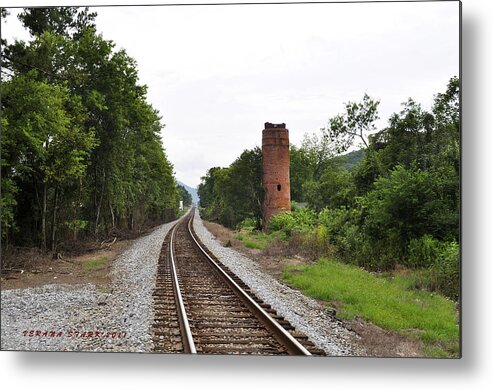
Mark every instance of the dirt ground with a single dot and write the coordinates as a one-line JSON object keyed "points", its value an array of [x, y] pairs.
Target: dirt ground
{"points": [[34, 268], [77, 262], [376, 341]]}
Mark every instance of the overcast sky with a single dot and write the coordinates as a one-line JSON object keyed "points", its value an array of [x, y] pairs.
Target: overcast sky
{"points": [[217, 73]]}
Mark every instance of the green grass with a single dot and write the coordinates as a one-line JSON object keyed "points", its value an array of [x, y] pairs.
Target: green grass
{"points": [[95, 264], [104, 291], [388, 303], [254, 244], [254, 239]]}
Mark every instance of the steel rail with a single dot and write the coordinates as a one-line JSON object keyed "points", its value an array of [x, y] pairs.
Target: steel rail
{"points": [[186, 333], [293, 346]]}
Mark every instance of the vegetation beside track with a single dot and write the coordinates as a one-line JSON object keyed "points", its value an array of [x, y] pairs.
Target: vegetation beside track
{"points": [[389, 211], [254, 239], [386, 301], [82, 153]]}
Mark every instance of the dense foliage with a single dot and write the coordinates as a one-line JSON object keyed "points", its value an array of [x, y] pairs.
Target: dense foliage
{"points": [[184, 195], [395, 203], [81, 149], [230, 195]]}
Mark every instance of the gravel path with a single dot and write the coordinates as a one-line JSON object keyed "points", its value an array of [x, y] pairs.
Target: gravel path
{"points": [[305, 313], [81, 318]]}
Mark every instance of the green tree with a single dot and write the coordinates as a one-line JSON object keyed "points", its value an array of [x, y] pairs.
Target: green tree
{"points": [[445, 140], [301, 170], [184, 195], [44, 144], [357, 122], [246, 188], [66, 21], [229, 195], [319, 151], [407, 205], [406, 140], [206, 187], [8, 187], [82, 147], [334, 189], [308, 163]]}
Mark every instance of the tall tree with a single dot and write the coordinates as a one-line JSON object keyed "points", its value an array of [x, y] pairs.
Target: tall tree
{"points": [[82, 147], [301, 170], [229, 195], [45, 144], [66, 21], [357, 122], [184, 196]]}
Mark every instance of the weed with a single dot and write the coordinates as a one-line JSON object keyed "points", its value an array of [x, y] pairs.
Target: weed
{"points": [[254, 239], [254, 244], [95, 264]]}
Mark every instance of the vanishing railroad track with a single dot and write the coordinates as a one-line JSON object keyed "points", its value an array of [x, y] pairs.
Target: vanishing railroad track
{"points": [[201, 307]]}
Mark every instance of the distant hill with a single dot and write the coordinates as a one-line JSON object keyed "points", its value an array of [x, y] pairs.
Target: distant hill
{"points": [[191, 191], [349, 160]]}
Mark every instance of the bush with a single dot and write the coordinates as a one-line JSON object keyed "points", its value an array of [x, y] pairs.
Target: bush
{"points": [[377, 255], [283, 222], [411, 203], [247, 224], [301, 220], [334, 220], [341, 230], [446, 271], [443, 275], [305, 218], [423, 252], [315, 244]]}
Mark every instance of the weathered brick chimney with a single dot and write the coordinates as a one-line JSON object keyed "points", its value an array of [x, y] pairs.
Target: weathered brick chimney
{"points": [[275, 163]]}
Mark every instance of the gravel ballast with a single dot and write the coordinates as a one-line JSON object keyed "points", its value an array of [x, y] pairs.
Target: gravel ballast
{"points": [[305, 313], [61, 317]]}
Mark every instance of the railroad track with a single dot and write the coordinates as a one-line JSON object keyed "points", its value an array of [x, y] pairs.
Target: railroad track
{"points": [[202, 307]]}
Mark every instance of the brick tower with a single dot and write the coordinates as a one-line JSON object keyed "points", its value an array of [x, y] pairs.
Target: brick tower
{"points": [[275, 164]]}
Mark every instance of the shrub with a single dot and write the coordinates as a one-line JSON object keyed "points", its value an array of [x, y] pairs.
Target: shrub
{"points": [[305, 219], [423, 252], [410, 202], [342, 231], [377, 255], [283, 222], [443, 275], [247, 224], [302, 220], [315, 244], [446, 271]]}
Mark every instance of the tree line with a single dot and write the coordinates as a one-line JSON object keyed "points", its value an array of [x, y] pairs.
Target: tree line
{"points": [[81, 152], [399, 204], [232, 194], [184, 195]]}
